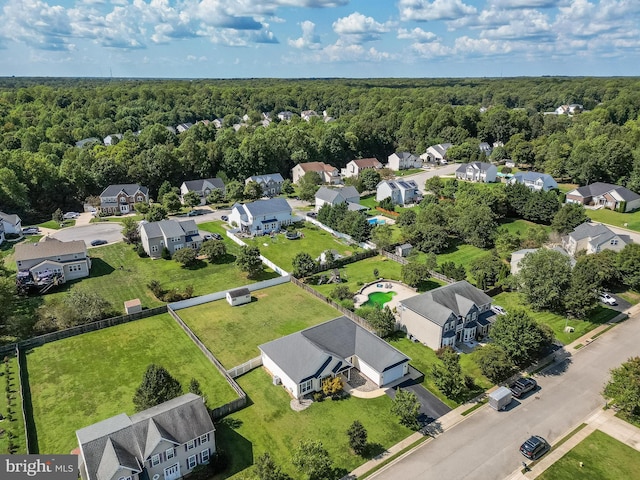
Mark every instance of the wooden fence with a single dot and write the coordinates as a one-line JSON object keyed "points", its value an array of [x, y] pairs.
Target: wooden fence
{"points": [[404, 261]]}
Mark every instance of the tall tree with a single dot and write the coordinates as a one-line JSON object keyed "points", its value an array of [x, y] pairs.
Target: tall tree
{"points": [[313, 460], [357, 437], [521, 337], [303, 264], [569, 217], [157, 387], [248, 260], [544, 279], [623, 389], [448, 376], [406, 407]]}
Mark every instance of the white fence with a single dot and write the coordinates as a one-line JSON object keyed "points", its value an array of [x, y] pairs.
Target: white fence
{"points": [[265, 260], [344, 236], [235, 372]]}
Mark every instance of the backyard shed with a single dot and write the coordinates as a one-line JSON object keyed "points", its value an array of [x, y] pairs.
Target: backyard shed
{"points": [[404, 250], [239, 296], [133, 306]]}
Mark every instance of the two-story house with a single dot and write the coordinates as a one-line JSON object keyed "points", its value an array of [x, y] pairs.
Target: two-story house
{"points": [[356, 167], [402, 192], [403, 161], [122, 198], [261, 217], [436, 153], [610, 196], [270, 183], [447, 315], [334, 196], [477, 172], [51, 258], [10, 223], [328, 173], [202, 187], [594, 238], [171, 234], [164, 442], [534, 181]]}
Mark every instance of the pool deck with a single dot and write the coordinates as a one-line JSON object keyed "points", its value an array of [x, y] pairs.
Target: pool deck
{"points": [[381, 218], [402, 292]]}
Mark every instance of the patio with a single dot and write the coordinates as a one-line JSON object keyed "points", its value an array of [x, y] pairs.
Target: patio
{"points": [[401, 291]]}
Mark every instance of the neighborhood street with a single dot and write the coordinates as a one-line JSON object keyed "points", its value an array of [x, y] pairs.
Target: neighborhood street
{"points": [[485, 445]]}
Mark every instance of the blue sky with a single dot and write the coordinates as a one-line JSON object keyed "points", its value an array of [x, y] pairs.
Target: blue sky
{"points": [[319, 38]]}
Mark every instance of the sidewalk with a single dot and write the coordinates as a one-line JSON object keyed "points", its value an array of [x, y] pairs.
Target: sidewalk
{"points": [[454, 417]]}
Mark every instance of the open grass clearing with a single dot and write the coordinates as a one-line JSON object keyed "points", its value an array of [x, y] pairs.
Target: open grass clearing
{"points": [[84, 379], [567, 187], [513, 300], [234, 333], [625, 220], [269, 424], [520, 226], [16, 425], [314, 241], [52, 224], [602, 457]]}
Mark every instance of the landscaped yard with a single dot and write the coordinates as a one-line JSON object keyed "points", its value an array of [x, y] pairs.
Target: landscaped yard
{"points": [[315, 241], [513, 300], [625, 220], [234, 333], [602, 458], [56, 225], [16, 425], [84, 379], [270, 425]]}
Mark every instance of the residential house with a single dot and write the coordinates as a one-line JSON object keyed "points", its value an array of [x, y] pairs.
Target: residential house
{"points": [[447, 315], [183, 127], [239, 296], [202, 187], [403, 161], [594, 238], [271, 183], [171, 234], [328, 173], [1, 233], [356, 167], [217, 122], [285, 116], [436, 153], [404, 250], [302, 360], [334, 196], [261, 217], [307, 115], [516, 257], [402, 192], [477, 172], [569, 109], [51, 258], [485, 148], [610, 196], [121, 198], [165, 442], [112, 139], [10, 223], [534, 181], [88, 141]]}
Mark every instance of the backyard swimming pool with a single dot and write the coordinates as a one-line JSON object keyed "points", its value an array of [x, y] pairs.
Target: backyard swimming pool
{"points": [[376, 221], [378, 299]]}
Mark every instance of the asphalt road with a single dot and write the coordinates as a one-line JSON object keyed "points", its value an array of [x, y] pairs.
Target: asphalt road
{"points": [[421, 178], [109, 231], [485, 445]]}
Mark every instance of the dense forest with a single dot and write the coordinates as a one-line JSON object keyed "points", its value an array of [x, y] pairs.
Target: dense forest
{"points": [[41, 120]]}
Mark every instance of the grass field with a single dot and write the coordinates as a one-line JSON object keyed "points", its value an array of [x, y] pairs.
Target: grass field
{"points": [[234, 333], [625, 220], [84, 379], [16, 425], [513, 300], [315, 241], [270, 425], [519, 226], [602, 457]]}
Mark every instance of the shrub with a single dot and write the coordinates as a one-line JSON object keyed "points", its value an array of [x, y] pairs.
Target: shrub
{"points": [[166, 254], [140, 251]]}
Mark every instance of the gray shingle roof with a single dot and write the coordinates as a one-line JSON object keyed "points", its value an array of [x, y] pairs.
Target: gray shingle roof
{"points": [[330, 195], [267, 207], [591, 230], [198, 185], [439, 304], [532, 176], [129, 188], [49, 247], [302, 354], [11, 218], [481, 166], [239, 292], [274, 177], [600, 188]]}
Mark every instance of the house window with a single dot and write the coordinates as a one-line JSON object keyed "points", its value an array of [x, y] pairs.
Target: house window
{"points": [[125, 478], [306, 386], [154, 248], [204, 456], [191, 462], [139, 199], [191, 444], [614, 242], [204, 438], [155, 460], [170, 453]]}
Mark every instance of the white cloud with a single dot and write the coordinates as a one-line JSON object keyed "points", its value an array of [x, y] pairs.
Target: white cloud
{"points": [[417, 34], [309, 39], [431, 50], [358, 28], [528, 3], [425, 10]]}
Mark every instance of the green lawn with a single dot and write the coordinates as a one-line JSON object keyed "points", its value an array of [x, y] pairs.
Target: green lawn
{"points": [[602, 457], [117, 218], [567, 187], [16, 425], [269, 424], [461, 254], [56, 225], [520, 226], [315, 241], [625, 220], [513, 300], [410, 171], [84, 379], [234, 333]]}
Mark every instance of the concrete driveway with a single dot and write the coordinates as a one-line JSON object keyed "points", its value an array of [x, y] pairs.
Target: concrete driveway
{"points": [[207, 215], [109, 231], [431, 407]]}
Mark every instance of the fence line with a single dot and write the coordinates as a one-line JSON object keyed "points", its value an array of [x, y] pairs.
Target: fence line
{"points": [[341, 262], [231, 406], [345, 311], [239, 370], [404, 261], [23, 398], [264, 259], [344, 236]]}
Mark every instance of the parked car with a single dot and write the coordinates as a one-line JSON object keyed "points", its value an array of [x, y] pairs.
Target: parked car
{"points": [[98, 241], [498, 309], [535, 447], [224, 218], [70, 215], [523, 385], [312, 214], [207, 236], [607, 299], [194, 213], [30, 231], [217, 236]]}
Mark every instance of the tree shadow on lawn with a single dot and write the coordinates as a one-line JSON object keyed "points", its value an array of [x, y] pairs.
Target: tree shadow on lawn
{"points": [[238, 448], [225, 259], [30, 426], [100, 268], [426, 285], [196, 265], [373, 450]]}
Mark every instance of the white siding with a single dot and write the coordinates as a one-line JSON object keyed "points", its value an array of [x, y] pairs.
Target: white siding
{"points": [[424, 330], [370, 372], [276, 371], [395, 373]]}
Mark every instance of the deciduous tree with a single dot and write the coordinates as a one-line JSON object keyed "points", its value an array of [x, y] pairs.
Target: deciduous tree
{"points": [[544, 278], [214, 250], [313, 460], [406, 407], [623, 389], [185, 256], [520, 336], [248, 260], [303, 264], [494, 362]]}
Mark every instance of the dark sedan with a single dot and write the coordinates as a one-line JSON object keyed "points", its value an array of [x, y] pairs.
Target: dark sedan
{"points": [[95, 243]]}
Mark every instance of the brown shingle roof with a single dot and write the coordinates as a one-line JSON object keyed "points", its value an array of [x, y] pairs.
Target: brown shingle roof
{"points": [[367, 163], [316, 167], [49, 247]]}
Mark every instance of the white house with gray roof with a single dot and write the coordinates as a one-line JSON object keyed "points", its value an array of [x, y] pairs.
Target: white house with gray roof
{"points": [[270, 183], [534, 181], [615, 197], [477, 172], [171, 234], [402, 192], [447, 315], [335, 196], [403, 161], [436, 153], [68, 260], [594, 238], [164, 442], [302, 360], [261, 217], [121, 198], [10, 223], [202, 187]]}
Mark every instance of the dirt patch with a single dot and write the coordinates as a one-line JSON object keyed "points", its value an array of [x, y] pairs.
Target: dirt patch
{"points": [[260, 295]]}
